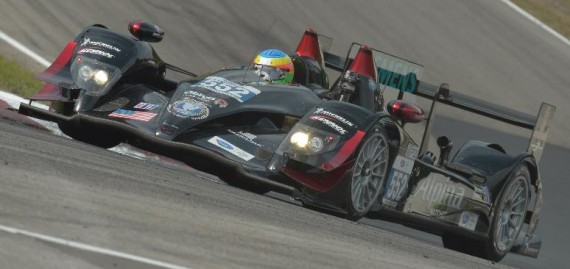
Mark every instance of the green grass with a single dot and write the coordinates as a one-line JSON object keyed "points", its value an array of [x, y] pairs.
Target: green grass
{"points": [[554, 13], [17, 80]]}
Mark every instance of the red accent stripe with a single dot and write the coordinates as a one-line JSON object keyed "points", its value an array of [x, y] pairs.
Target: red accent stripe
{"points": [[334, 170], [319, 181], [344, 153], [49, 91]]}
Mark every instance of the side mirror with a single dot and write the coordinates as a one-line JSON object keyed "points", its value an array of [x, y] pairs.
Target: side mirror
{"points": [[146, 31], [405, 111]]}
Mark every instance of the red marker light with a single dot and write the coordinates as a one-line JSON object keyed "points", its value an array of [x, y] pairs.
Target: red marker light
{"points": [[405, 111], [134, 27], [146, 31], [309, 46], [363, 63]]}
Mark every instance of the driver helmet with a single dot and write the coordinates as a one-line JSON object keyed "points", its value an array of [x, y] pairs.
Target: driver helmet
{"points": [[273, 65]]}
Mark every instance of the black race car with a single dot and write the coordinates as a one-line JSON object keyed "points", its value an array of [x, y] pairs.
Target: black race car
{"points": [[338, 149]]}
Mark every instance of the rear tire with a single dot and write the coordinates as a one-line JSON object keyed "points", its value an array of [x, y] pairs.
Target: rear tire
{"points": [[508, 219], [368, 174], [509, 214]]}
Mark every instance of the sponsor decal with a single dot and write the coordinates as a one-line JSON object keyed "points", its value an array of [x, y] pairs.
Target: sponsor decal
{"points": [[132, 115], [221, 103], [168, 128], [189, 108], [468, 220], [486, 194], [329, 123], [95, 52], [442, 192], [146, 106], [249, 137], [208, 100], [398, 179], [241, 93], [344, 121], [397, 74], [229, 147], [199, 96], [87, 41], [412, 151]]}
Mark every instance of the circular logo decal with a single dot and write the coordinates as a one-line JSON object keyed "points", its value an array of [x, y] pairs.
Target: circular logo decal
{"points": [[189, 108], [224, 144]]}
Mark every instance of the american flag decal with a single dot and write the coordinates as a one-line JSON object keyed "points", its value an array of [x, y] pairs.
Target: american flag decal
{"points": [[132, 115]]}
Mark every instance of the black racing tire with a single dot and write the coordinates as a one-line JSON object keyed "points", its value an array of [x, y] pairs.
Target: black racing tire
{"points": [[509, 214], [508, 218], [90, 137], [366, 179]]}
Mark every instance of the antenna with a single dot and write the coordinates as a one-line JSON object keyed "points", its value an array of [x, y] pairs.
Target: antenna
{"points": [[257, 49]]}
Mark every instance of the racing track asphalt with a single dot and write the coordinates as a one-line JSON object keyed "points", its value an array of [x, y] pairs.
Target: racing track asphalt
{"points": [[482, 48]]}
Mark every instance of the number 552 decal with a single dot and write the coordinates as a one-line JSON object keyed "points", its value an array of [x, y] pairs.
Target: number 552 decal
{"points": [[223, 86], [397, 184]]}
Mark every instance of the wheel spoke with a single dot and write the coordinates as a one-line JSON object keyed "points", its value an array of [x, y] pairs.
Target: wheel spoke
{"points": [[517, 202], [372, 186], [367, 152], [512, 223], [518, 191], [364, 195], [379, 153]]}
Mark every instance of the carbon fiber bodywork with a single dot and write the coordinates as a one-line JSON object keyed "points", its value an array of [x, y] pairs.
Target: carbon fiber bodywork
{"points": [[297, 138]]}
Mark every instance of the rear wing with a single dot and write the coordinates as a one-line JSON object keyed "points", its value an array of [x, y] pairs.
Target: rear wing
{"points": [[404, 76]]}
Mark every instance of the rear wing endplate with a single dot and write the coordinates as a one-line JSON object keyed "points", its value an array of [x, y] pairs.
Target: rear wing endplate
{"points": [[541, 129]]}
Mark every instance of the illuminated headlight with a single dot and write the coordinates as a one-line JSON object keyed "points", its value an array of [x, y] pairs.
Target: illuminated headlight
{"points": [[300, 139], [303, 140], [95, 77], [101, 77]]}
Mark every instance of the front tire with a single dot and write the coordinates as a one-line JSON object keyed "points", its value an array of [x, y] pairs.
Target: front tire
{"points": [[90, 136], [367, 176]]}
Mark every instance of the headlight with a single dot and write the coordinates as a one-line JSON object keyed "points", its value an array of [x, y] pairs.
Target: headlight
{"points": [[300, 139], [95, 77], [101, 77], [314, 143]]}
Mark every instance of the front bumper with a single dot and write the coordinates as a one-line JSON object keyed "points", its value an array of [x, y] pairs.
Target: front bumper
{"points": [[190, 154]]}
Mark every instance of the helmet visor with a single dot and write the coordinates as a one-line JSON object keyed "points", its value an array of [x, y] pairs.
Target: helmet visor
{"points": [[270, 73]]}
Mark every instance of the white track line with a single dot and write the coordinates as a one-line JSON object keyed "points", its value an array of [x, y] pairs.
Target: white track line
{"points": [[536, 21], [85, 247], [41, 60]]}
